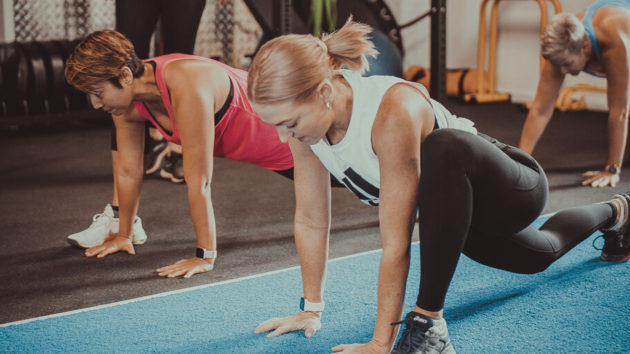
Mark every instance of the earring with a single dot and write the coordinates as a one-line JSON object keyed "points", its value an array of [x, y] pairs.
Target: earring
{"points": [[328, 105]]}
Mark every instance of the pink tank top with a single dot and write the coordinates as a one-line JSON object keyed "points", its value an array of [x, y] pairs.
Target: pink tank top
{"points": [[240, 134]]}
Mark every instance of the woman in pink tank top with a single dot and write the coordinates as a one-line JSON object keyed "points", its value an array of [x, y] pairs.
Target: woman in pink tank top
{"points": [[196, 102]]}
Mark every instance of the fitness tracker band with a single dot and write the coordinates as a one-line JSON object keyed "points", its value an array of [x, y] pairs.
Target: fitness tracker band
{"points": [[206, 254], [306, 305], [612, 169]]}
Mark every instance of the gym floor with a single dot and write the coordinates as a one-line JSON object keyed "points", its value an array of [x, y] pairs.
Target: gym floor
{"points": [[55, 177]]}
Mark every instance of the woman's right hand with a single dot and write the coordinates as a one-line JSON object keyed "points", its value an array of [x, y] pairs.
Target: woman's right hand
{"points": [[308, 321], [113, 243]]}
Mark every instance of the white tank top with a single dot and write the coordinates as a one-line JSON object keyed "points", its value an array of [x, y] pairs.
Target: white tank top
{"points": [[353, 161]]}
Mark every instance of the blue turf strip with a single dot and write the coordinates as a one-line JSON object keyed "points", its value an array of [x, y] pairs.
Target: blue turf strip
{"points": [[580, 304]]}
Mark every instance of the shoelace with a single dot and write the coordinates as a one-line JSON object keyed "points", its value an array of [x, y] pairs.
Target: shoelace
{"points": [[610, 237], [407, 336], [95, 219]]}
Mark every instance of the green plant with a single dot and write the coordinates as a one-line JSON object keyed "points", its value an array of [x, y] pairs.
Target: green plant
{"points": [[319, 8]]}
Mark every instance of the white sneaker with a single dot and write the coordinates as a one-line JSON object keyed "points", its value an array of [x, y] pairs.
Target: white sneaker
{"points": [[102, 226], [139, 236]]}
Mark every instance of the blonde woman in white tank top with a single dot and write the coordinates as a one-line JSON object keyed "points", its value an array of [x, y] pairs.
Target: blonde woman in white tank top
{"points": [[395, 148]]}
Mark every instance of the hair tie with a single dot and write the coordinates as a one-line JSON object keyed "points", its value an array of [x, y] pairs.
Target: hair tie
{"points": [[323, 44]]}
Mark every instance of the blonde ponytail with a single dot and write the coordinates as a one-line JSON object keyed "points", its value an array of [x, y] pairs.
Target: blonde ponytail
{"points": [[349, 46], [292, 66]]}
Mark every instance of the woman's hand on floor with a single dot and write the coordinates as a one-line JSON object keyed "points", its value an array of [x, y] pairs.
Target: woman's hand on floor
{"points": [[600, 178], [370, 347], [308, 321], [112, 244], [186, 267]]}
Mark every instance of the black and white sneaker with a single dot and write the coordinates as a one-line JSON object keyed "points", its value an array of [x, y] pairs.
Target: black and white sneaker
{"points": [[423, 334], [154, 158], [617, 238], [173, 167]]}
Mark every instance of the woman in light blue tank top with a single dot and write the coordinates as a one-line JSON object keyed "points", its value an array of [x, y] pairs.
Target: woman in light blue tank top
{"points": [[594, 41]]}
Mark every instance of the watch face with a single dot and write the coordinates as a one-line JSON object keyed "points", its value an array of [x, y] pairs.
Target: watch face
{"points": [[302, 304], [200, 252], [613, 169]]}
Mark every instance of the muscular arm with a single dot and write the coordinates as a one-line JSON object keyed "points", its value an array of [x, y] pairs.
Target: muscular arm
{"points": [[542, 108], [311, 228], [615, 59], [192, 92], [396, 137], [312, 218], [130, 140]]}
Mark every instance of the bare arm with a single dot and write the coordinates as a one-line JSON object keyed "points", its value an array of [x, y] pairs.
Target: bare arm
{"points": [[192, 91], [312, 227], [615, 61], [404, 117], [130, 141], [396, 141], [542, 108], [312, 218], [614, 36]]}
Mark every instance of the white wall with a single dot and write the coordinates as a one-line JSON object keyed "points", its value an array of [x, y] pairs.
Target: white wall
{"points": [[7, 33], [518, 45]]}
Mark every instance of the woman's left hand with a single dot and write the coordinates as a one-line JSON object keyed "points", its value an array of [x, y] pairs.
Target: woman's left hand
{"points": [[370, 347], [186, 267], [600, 178]]}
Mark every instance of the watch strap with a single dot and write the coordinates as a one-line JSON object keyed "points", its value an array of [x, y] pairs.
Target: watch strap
{"points": [[206, 254], [306, 305], [612, 169]]}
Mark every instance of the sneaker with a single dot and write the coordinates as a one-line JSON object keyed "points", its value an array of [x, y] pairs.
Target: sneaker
{"points": [[139, 236], [102, 226], [154, 158], [617, 238], [173, 167], [423, 334]]}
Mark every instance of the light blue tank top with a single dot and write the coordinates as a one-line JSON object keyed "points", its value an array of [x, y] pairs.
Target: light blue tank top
{"points": [[587, 21]]}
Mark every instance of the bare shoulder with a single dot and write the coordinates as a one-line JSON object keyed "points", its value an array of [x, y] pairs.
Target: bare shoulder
{"points": [[195, 75], [404, 104], [612, 24]]}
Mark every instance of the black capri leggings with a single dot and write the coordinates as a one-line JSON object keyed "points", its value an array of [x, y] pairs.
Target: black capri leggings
{"points": [[478, 196]]}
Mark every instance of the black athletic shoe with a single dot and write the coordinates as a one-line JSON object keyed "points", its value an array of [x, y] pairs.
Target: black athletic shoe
{"points": [[617, 240], [173, 167], [423, 335], [154, 158]]}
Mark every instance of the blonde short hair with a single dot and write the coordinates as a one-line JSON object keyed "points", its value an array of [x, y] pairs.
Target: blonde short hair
{"points": [[563, 36], [290, 67]]}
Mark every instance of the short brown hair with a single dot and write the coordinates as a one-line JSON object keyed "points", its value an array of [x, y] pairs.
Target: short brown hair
{"points": [[99, 57]]}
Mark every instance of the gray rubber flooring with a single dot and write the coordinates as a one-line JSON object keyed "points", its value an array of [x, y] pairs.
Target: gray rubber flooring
{"points": [[54, 179]]}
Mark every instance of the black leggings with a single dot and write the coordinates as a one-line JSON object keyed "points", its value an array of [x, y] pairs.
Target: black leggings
{"points": [[136, 19], [478, 196], [180, 21], [288, 173]]}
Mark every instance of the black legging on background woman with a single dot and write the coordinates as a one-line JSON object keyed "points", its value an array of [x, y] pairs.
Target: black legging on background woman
{"points": [[137, 19], [479, 196], [180, 21]]}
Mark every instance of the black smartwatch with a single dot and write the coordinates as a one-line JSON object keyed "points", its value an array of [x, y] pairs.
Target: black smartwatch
{"points": [[612, 169], [206, 254]]}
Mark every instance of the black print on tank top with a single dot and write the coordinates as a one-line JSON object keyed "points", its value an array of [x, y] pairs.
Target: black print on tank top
{"points": [[367, 192]]}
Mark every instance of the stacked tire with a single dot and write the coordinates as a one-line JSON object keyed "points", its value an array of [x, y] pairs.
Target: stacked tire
{"points": [[32, 80]]}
